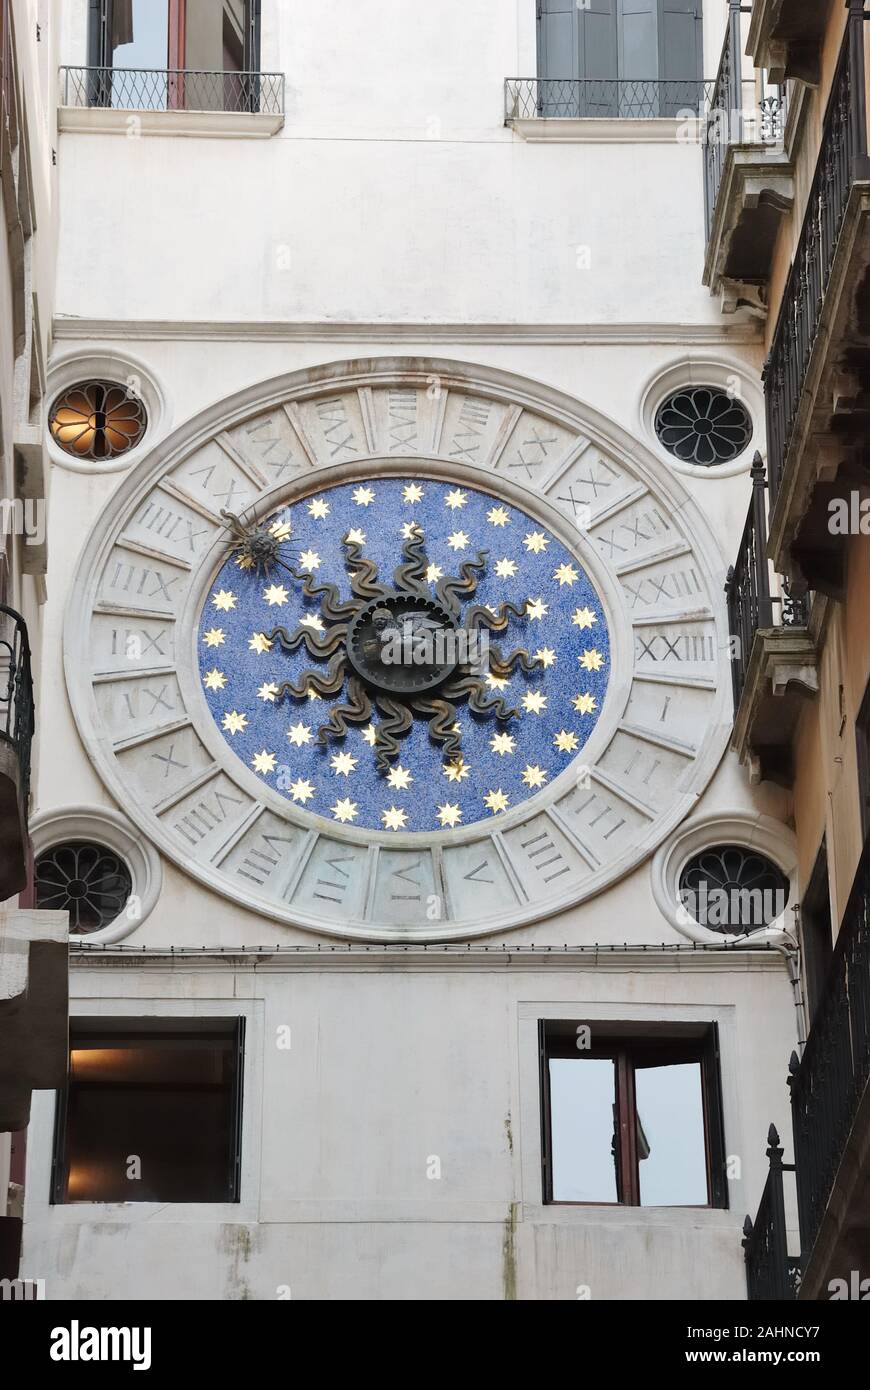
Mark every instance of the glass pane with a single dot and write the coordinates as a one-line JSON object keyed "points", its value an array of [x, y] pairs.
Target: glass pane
{"points": [[582, 1101], [166, 1103], [671, 1153], [140, 34], [234, 35]]}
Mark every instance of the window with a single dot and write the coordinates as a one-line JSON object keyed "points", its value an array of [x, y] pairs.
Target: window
{"points": [[211, 40], [704, 426], [817, 934], [631, 1118], [151, 1112], [619, 57], [731, 889], [97, 420], [89, 881], [862, 736]]}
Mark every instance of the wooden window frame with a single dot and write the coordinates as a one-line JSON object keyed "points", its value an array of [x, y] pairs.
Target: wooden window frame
{"points": [[100, 28], [626, 1046], [154, 1030], [816, 907]]}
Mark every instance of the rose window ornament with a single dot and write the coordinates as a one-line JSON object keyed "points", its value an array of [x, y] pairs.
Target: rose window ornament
{"points": [[90, 882], [704, 426], [97, 420]]}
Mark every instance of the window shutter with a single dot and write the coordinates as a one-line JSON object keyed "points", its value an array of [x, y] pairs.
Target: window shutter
{"points": [[599, 57], [680, 40], [557, 39], [715, 1118], [639, 38], [558, 53]]}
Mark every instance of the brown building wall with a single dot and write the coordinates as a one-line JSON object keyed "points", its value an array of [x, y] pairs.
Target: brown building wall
{"points": [[826, 788]]}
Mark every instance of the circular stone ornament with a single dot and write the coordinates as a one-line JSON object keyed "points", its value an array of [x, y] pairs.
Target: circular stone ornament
{"points": [[703, 426], [606, 575], [401, 645]]}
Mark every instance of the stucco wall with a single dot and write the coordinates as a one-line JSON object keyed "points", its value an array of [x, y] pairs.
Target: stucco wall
{"points": [[388, 1067]]}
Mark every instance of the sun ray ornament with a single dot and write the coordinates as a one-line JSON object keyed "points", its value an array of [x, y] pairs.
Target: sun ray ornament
{"points": [[391, 647]]}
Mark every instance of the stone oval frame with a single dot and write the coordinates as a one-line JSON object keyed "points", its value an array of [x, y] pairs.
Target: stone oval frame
{"points": [[109, 366], [761, 834], [108, 827], [516, 395], [691, 372]]}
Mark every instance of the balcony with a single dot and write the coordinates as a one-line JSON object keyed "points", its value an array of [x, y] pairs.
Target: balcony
{"points": [[167, 99], [785, 37], [830, 1101], [748, 180], [817, 376], [558, 108], [773, 653], [16, 734]]}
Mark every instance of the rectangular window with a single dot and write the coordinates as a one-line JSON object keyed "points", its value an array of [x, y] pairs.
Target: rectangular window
{"points": [[134, 44], [151, 1112], [817, 931], [639, 58], [862, 736], [631, 1118]]}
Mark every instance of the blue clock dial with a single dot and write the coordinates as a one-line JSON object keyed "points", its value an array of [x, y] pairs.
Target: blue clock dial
{"points": [[403, 654]]}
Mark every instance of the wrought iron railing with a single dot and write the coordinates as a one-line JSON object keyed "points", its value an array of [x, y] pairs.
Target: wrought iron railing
{"points": [[727, 121], [830, 1079], [751, 604], [771, 1273], [16, 692], [629, 98], [842, 159], [173, 89]]}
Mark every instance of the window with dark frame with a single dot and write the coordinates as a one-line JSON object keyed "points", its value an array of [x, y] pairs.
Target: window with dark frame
{"points": [[631, 1117], [862, 736], [151, 1112], [817, 931], [218, 39]]}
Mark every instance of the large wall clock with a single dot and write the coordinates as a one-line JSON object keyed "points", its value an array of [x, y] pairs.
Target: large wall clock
{"points": [[225, 650]]}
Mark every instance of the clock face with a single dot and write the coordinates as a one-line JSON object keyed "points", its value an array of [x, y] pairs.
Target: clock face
{"points": [[410, 651], [469, 682]]}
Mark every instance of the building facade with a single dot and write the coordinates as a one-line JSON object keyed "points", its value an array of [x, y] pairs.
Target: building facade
{"points": [[429, 938], [33, 942], [798, 589]]}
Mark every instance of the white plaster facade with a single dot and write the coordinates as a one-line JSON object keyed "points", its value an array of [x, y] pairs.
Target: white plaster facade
{"points": [[395, 216]]}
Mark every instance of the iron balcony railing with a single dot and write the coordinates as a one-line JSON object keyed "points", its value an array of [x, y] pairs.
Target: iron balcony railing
{"points": [[728, 121], [771, 1272], [173, 89], [17, 720], [829, 1081], [630, 98], [751, 603], [842, 160]]}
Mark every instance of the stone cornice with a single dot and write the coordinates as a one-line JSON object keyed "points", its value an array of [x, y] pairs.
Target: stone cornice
{"points": [[742, 333], [669, 957]]}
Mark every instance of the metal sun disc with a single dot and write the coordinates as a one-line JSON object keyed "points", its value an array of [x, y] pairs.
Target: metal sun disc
{"points": [[403, 644]]}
